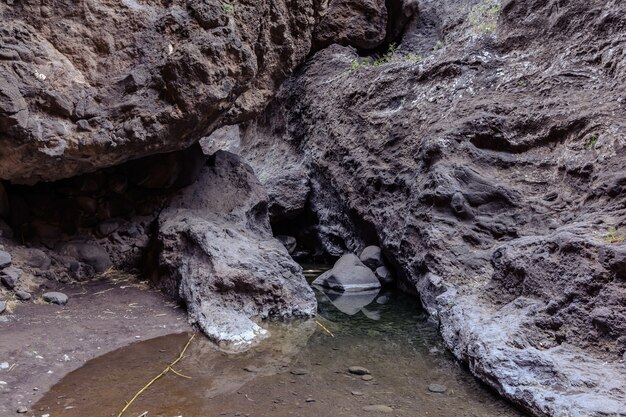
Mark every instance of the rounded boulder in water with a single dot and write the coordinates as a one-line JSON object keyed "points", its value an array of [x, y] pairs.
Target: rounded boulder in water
{"points": [[384, 275], [372, 257]]}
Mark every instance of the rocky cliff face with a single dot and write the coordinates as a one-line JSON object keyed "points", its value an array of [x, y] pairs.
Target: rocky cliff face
{"points": [[486, 156], [87, 85]]}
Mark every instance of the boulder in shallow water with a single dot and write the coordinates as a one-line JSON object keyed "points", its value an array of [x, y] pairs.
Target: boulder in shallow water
{"points": [[348, 274], [384, 275], [372, 257]]}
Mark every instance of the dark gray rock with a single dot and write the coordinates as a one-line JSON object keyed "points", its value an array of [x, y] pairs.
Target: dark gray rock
{"points": [[88, 253], [5, 259], [358, 370], [348, 274], [384, 275], [372, 257], [219, 256], [55, 298], [10, 277], [36, 258], [289, 242], [23, 295], [3, 306]]}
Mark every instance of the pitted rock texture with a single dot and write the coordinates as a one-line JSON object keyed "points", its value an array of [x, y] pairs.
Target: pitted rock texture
{"points": [[89, 85], [216, 253], [486, 158]]}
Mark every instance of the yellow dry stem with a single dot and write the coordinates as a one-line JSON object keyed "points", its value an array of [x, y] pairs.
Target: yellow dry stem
{"points": [[169, 367], [325, 329]]}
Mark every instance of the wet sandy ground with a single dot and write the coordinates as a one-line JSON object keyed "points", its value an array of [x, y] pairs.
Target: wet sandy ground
{"points": [[43, 342], [299, 371]]}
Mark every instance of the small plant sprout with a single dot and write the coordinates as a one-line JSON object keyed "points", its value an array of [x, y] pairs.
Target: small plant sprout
{"points": [[614, 236], [414, 58], [403, 101], [228, 7], [484, 16], [591, 141], [438, 46]]}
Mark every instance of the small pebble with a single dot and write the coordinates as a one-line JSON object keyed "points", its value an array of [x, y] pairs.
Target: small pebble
{"points": [[438, 388], [357, 393], [378, 408], [251, 369], [358, 370], [22, 410], [22, 295], [310, 400], [367, 377], [299, 372]]}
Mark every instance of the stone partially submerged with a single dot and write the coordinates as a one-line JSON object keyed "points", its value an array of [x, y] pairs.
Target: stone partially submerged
{"points": [[217, 254], [348, 274]]}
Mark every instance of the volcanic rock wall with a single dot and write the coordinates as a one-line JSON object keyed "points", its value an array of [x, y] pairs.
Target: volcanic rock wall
{"points": [[486, 156]]}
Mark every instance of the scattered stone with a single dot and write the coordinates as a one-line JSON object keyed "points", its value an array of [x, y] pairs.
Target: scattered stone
{"points": [[36, 258], [288, 242], [367, 377], [10, 276], [3, 306], [251, 369], [299, 372], [358, 370], [55, 298], [88, 253], [310, 400], [23, 295], [107, 227], [378, 408], [357, 393], [5, 259], [22, 410], [384, 275], [438, 388], [4, 365], [372, 257]]}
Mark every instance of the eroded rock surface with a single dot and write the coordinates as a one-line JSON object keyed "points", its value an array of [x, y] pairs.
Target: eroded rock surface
{"points": [[486, 157], [90, 85], [218, 255]]}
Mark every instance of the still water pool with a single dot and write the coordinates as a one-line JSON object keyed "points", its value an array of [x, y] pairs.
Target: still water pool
{"points": [[301, 370]]}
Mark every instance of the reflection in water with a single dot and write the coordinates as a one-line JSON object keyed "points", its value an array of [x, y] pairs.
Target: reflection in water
{"points": [[299, 371]]}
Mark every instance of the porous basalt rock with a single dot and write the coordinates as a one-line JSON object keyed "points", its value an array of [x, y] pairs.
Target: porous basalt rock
{"points": [[486, 156], [74, 97], [217, 254]]}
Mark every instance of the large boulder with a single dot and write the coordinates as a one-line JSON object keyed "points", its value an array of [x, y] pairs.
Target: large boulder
{"points": [[348, 274], [74, 97], [372, 257], [217, 254]]}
